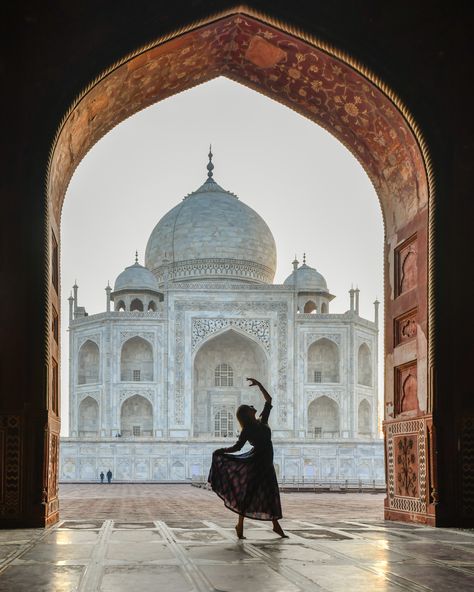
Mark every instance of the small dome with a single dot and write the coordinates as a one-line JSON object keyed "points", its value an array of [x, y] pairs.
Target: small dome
{"points": [[135, 278], [307, 279]]}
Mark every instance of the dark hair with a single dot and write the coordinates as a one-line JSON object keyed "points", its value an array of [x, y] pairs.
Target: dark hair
{"points": [[243, 414]]}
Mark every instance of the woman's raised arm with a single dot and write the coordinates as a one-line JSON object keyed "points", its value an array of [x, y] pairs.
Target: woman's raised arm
{"points": [[255, 382]]}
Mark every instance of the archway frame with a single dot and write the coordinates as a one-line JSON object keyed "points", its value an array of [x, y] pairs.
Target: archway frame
{"points": [[404, 181]]}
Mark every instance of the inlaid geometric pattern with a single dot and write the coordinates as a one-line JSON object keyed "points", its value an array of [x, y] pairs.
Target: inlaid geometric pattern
{"points": [[467, 452], [407, 465], [10, 463]]}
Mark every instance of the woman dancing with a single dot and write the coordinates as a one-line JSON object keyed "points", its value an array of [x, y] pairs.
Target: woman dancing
{"points": [[247, 482]]}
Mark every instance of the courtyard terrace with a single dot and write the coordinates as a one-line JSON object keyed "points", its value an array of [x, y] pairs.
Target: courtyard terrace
{"points": [[179, 538]]}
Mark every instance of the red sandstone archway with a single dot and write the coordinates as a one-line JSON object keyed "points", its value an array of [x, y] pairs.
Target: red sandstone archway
{"points": [[338, 94]]}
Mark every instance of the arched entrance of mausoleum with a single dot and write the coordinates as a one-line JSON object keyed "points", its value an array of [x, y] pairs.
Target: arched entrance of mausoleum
{"points": [[335, 92], [221, 366]]}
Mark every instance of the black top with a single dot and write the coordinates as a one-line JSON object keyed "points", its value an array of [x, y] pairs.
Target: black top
{"points": [[258, 433]]}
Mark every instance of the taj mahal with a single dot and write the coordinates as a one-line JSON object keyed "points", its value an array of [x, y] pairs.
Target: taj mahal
{"points": [[156, 378]]}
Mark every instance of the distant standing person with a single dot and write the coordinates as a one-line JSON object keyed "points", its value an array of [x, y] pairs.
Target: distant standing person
{"points": [[247, 482], [109, 476], [102, 476]]}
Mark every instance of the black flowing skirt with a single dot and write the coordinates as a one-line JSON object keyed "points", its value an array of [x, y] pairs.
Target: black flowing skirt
{"points": [[247, 483]]}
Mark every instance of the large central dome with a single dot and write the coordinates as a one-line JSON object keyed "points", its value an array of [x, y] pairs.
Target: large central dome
{"points": [[212, 235]]}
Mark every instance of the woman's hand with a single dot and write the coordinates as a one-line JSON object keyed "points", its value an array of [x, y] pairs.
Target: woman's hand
{"points": [[253, 382], [219, 451]]}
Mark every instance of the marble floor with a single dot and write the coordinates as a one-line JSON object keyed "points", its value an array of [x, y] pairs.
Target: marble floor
{"points": [[186, 553]]}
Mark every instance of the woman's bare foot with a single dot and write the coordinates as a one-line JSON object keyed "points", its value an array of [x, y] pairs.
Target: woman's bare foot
{"points": [[240, 532], [278, 529]]}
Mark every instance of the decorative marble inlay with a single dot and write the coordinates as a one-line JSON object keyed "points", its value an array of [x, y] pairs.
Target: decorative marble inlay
{"points": [[10, 477], [53, 466], [126, 394], [407, 465], [232, 309], [258, 328], [313, 337], [126, 335], [92, 394], [81, 339], [313, 395], [215, 268]]}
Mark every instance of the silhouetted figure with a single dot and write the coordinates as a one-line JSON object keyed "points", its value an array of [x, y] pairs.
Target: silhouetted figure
{"points": [[247, 482], [109, 476], [102, 476]]}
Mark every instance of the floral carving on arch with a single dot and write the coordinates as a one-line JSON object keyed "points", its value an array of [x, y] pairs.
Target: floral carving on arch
{"points": [[256, 329], [251, 50], [312, 338]]}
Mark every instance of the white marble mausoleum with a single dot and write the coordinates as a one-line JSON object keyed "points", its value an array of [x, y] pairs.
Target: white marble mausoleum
{"points": [[156, 378]]}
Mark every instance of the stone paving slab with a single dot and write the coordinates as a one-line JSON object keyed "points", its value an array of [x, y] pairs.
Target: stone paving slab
{"points": [[191, 554], [142, 502]]}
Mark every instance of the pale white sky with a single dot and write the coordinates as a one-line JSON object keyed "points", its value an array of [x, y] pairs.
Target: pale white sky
{"points": [[311, 191]]}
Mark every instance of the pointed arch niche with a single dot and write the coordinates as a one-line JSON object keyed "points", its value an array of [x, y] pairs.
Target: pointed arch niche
{"points": [[323, 418], [88, 363], [136, 360], [88, 418], [332, 90], [214, 393], [136, 417], [323, 361]]}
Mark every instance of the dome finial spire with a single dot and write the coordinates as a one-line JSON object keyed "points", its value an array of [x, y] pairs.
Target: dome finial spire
{"points": [[136, 257], [304, 258], [210, 166]]}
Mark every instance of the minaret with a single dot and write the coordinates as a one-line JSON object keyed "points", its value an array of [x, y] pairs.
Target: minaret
{"points": [[71, 308], [75, 289], [108, 290], [351, 295], [295, 263], [376, 312], [357, 300]]}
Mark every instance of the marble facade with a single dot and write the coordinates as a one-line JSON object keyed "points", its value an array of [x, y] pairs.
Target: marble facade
{"points": [[154, 383]]}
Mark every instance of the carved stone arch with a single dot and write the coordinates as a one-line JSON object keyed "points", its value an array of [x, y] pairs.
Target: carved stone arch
{"points": [[94, 337], [136, 304], [290, 66], [227, 329], [94, 395], [312, 339], [146, 335], [310, 307]]}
